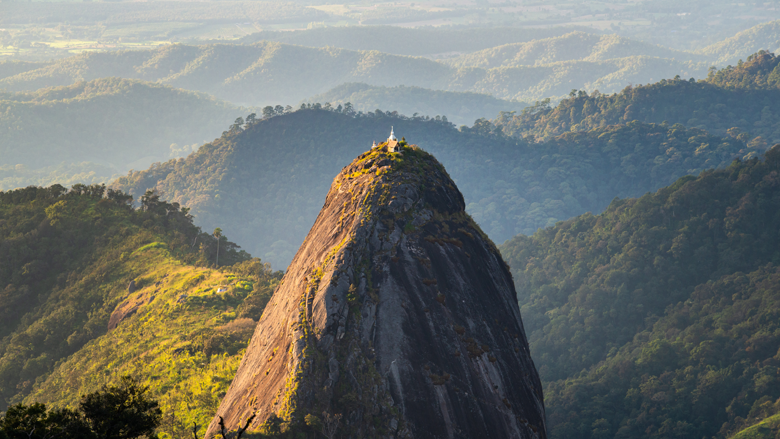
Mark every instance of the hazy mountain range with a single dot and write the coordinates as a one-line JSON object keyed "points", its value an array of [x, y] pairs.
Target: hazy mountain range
{"points": [[267, 72]]}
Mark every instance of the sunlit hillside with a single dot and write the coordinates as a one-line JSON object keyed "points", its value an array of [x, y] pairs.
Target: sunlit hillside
{"points": [[765, 36], [93, 289]]}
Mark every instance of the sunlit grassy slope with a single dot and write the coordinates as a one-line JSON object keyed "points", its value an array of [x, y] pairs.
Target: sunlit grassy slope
{"points": [[91, 289], [185, 341], [769, 428]]}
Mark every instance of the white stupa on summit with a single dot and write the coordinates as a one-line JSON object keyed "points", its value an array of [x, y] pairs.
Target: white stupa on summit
{"points": [[392, 142]]}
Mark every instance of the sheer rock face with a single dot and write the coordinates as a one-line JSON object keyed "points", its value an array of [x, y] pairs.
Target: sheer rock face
{"points": [[398, 313]]}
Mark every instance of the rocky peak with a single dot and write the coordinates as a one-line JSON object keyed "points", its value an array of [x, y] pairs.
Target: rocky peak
{"points": [[397, 313]]}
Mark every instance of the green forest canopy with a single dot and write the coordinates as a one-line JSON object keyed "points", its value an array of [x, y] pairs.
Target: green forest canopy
{"points": [[659, 317]]}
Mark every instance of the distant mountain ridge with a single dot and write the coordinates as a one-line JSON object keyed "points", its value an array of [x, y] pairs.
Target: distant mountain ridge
{"points": [[523, 70], [460, 108], [574, 46], [289, 74], [765, 36], [418, 41]]}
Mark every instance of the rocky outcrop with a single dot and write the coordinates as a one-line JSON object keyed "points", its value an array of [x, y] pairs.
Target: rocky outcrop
{"points": [[397, 313], [128, 307]]}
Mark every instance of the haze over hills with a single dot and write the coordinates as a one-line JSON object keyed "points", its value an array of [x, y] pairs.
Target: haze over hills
{"points": [[460, 108], [523, 71], [90, 126], [262, 73], [42, 30], [659, 316], [273, 73], [421, 41], [503, 216], [574, 46]]}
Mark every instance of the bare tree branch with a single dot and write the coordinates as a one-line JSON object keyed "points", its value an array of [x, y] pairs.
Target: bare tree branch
{"points": [[222, 427], [330, 424], [248, 421]]}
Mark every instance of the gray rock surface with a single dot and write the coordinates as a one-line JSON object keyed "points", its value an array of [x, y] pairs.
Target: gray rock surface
{"points": [[397, 313]]}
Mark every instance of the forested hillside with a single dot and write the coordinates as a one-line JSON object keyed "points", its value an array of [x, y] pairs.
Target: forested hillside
{"points": [[461, 108], [69, 322], [271, 175], [115, 124], [742, 100], [659, 317], [760, 72]]}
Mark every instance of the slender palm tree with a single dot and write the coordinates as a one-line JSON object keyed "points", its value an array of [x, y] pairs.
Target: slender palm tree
{"points": [[218, 235]]}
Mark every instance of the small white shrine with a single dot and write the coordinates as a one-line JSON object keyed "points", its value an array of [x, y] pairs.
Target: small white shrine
{"points": [[392, 142]]}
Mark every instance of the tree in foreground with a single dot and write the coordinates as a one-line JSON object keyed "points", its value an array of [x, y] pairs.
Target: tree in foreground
{"points": [[34, 422], [124, 411]]}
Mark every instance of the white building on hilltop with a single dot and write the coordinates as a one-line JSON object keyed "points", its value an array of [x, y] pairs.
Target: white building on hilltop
{"points": [[392, 142]]}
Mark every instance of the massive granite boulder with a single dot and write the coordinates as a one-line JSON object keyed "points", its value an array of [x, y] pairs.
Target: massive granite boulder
{"points": [[397, 313]]}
